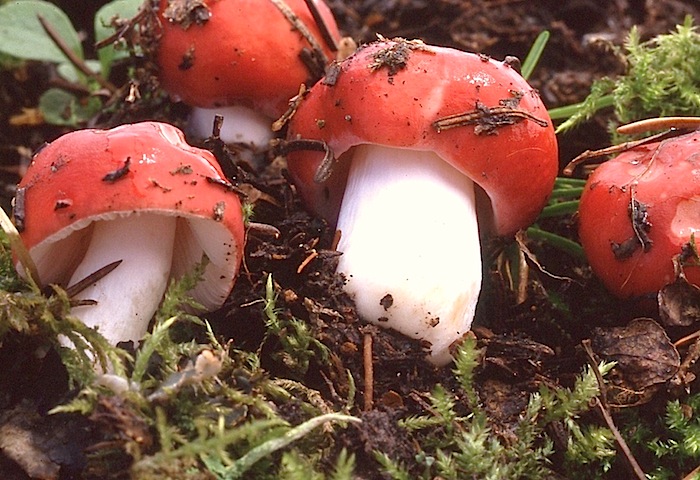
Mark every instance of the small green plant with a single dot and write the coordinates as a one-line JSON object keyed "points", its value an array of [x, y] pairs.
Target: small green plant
{"points": [[298, 344], [662, 79], [296, 466], [461, 443], [670, 444], [563, 202], [204, 408], [533, 56], [38, 30], [9, 279], [180, 409], [45, 314]]}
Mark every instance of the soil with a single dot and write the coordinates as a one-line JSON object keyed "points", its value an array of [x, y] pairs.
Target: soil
{"points": [[528, 342]]}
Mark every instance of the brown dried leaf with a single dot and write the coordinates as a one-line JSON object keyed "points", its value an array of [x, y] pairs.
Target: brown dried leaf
{"points": [[253, 194], [679, 303], [29, 117], [644, 354]]}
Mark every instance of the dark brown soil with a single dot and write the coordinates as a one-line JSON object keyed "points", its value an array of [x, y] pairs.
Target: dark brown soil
{"points": [[526, 344]]}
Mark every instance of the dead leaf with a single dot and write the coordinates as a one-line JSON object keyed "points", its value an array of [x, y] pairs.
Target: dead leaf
{"points": [[392, 400], [253, 194], [644, 354], [679, 303], [30, 117]]}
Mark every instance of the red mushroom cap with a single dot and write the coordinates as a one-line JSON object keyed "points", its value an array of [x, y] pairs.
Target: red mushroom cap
{"points": [[242, 52], [94, 175], [392, 93], [655, 188]]}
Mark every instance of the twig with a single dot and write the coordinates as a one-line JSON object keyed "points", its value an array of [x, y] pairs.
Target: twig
{"points": [[121, 31], [622, 444], [501, 115], [322, 25], [296, 22], [77, 62], [589, 154], [521, 239], [294, 103], [96, 276], [603, 409], [692, 475], [307, 260], [264, 229], [369, 372], [663, 123], [687, 339], [594, 366]]}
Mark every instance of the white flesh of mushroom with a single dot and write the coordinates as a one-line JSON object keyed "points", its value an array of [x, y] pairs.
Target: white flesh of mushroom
{"points": [[410, 244], [241, 125], [128, 296]]}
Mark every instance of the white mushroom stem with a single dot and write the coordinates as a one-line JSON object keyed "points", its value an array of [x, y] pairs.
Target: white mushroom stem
{"points": [[128, 296], [410, 244], [242, 125]]}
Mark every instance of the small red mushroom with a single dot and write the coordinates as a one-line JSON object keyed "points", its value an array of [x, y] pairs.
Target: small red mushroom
{"points": [[243, 59], [639, 211], [422, 136], [137, 194]]}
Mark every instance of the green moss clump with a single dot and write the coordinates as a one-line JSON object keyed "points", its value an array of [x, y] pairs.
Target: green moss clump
{"points": [[458, 443], [662, 79]]}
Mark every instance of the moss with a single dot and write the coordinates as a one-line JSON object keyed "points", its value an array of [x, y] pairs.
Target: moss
{"points": [[459, 444], [662, 78]]}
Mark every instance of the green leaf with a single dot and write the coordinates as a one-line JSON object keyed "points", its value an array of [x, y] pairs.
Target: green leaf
{"points": [[62, 108], [68, 72], [22, 36], [122, 9], [562, 244], [533, 56]]}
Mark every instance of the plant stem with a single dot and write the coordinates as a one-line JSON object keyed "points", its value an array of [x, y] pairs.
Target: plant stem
{"points": [[77, 62], [244, 463], [567, 111]]}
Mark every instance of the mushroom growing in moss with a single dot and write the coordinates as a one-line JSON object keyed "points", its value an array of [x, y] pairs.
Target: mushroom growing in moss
{"points": [[139, 195], [418, 138]]}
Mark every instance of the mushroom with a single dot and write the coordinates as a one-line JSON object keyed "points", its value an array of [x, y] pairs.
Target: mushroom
{"points": [[417, 139], [639, 211], [243, 59], [137, 194]]}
